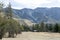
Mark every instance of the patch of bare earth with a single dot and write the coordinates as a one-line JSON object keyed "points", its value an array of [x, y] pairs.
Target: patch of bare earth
{"points": [[36, 36]]}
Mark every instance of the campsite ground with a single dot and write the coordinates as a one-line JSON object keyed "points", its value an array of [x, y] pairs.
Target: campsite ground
{"points": [[36, 36]]}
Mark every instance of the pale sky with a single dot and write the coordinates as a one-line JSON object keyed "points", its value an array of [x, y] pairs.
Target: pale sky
{"points": [[19, 4]]}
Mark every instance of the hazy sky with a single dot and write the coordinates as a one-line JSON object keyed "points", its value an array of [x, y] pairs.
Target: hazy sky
{"points": [[19, 4]]}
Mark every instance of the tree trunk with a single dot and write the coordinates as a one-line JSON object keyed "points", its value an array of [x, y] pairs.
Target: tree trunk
{"points": [[1, 35], [9, 34]]}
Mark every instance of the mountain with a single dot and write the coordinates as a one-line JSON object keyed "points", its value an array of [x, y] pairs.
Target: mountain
{"points": [[38, 14], [20, 17], [25, 22], [24, 14]]}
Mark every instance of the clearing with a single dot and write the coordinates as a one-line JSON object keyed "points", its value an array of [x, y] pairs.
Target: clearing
{"points": [[36, 36]]}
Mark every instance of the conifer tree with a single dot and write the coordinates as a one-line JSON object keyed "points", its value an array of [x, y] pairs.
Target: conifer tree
{"points": [[42, 26], [56, 27]]}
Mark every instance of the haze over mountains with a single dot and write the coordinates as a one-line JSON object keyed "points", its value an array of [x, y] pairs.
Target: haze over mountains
{"points": [[38, 14]]}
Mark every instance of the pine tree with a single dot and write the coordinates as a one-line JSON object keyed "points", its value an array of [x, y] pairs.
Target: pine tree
{"points": [[59, 27], [1, 7], [11, 22], [42, 26], [46, 25], [56, 27], [9, 11], [50, 27]]}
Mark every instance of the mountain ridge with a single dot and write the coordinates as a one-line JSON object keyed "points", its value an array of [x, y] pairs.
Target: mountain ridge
{"points": [[38, 14]]}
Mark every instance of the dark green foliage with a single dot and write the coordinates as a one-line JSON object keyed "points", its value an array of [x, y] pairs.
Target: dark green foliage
{"points": [[50, 27], [38, 27], [59, 27], [46, 27], [2, 26], [26, 28], [35, 27], [56, 28], [42, 26]]}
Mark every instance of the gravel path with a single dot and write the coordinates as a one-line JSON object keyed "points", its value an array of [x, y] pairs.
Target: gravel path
{"points": [[36, 36]]}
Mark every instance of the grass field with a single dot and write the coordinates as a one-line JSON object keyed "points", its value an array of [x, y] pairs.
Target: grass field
{"points": [[36, 36]]}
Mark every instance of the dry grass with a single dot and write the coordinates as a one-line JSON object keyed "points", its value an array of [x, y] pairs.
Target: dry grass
{"points": [[36, 36]]}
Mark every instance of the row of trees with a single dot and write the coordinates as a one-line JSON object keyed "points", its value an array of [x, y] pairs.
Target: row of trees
{"points": [[42, 27]]}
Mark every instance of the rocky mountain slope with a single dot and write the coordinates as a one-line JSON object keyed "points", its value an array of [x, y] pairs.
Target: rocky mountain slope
{"points": [[38, 14]]}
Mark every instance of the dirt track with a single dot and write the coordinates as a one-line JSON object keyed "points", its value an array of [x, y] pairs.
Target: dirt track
{"points": [[36, 36]]}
